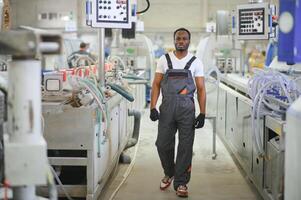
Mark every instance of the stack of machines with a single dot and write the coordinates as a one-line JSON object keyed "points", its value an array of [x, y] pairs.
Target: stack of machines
{"points": [[81, 118], [87, 126], [253, 98]]}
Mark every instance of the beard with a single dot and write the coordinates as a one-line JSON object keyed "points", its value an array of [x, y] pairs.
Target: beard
{"points": [[181, 48]]}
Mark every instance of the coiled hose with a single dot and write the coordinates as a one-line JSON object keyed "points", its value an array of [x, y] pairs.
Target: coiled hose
{"points": [[259, 87]]}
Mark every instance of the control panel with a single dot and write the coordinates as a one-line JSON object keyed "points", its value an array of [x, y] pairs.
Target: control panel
{"points": [[253, 21], [111, 13]]}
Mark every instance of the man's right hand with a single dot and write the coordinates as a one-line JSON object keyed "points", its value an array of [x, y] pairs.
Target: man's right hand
{"points": [[154, 114], [200, 121]]}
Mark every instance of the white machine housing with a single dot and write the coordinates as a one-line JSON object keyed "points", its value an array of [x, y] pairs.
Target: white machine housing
{"points": [[25, 148], [292, 152]]}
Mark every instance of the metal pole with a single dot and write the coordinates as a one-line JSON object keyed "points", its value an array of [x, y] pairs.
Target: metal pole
{"points": [[101, 57], [1, 13], [24, 96], [215, 120], [24, 120], [255, 1], [24, 193], [243, 61]]}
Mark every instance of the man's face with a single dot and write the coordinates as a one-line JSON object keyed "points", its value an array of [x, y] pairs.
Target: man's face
{"points": [[182, 41]]}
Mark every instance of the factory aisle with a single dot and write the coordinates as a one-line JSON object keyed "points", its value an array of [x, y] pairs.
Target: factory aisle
{"points": [[218, 179]]}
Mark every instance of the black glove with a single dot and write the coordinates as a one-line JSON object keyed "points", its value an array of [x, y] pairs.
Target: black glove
{"points": [[154, 114], [199, 121]]}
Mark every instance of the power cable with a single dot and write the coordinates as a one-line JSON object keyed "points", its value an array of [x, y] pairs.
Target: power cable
{"points": [[60, 183], [146, 9], [128, 171]]}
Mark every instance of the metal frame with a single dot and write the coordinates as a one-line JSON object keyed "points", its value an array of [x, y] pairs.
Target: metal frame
{"points": [[256, 172], [75, 129]]}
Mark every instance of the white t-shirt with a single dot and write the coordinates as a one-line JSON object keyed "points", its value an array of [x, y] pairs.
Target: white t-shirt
{"points": [[196, 68]]}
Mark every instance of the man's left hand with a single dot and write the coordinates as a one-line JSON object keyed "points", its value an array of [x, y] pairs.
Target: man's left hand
{"points": [[154, 114]]}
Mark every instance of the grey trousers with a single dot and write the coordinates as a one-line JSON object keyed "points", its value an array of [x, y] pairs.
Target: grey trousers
{"points": [[176, 114]]}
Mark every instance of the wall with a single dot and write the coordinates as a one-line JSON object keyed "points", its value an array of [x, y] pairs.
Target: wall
{"points": [[166, 16], [27, 12], [163, 17]]}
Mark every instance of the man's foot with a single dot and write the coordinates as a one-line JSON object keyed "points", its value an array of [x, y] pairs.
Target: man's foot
{"points": [[182, 191], [165, 182]]}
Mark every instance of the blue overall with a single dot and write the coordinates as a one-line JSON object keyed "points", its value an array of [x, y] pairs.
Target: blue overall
{"points": [[177, 113]]}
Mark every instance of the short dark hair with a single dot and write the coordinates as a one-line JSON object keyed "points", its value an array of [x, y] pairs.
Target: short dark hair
{"points": [[83, 45], [181, 29]]}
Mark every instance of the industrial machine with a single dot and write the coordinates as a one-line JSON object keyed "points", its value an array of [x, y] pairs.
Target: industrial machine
{"points": [[292, 151], [87, 115], [89, 123], [289, 26], [252, 102], [219, 52], [137, 55], [25, 152], [88, 127], [87, 141], [290, 45]]}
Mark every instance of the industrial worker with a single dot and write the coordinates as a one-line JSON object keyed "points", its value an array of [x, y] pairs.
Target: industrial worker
{"points": [[81, 55], [178, 74]]}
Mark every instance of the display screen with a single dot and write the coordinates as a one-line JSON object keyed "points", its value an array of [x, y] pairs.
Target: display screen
{"points": [[251, 21]]}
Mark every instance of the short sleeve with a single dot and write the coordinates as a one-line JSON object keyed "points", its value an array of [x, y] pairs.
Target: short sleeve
{"points": [[199, 68], [160, 65]]}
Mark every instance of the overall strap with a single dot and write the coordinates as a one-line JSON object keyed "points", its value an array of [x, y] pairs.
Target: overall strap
{"points": [[190, 62], [169, 63]]}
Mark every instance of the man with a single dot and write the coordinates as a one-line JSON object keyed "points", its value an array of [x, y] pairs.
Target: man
{"points": [[74, 60], [178, 74]]}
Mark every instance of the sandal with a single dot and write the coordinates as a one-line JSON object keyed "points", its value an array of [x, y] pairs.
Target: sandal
{"points": [[182, 191], [165, 182]]}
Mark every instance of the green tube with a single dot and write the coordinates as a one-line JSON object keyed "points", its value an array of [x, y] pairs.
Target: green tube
{"points": [[122, 91], [132, 76], [99, 120]]}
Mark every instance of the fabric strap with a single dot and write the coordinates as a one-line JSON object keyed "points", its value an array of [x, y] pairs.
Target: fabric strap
{"points": [[190, 62], [169, 63]]}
